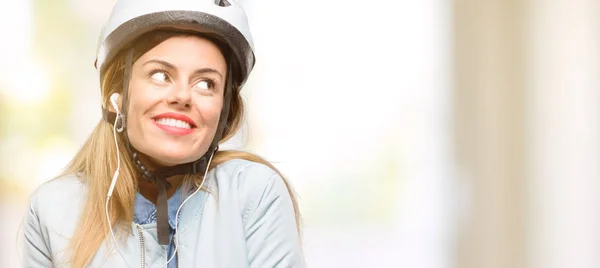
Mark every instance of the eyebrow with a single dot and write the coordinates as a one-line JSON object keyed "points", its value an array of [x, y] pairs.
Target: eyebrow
{"points": [[172, 67]]}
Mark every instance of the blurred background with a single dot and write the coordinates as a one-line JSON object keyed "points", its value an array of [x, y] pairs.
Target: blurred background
{"points": [[431, 133]]}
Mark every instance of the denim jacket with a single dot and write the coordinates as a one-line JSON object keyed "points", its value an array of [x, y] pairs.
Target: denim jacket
{"points": [[144, 212], [246, 219]]}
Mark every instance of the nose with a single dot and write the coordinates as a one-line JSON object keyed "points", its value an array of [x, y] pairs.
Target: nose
{"points": [[180, 96]]}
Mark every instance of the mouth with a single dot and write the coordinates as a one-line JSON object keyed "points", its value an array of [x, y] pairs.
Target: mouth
{"points": [[173, 123]]}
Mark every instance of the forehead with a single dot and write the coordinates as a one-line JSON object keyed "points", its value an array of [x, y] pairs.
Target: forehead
{"points": [[188, 51]]}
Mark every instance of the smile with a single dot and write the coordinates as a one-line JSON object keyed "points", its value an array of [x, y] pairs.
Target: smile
{"points": [[175, 124]]}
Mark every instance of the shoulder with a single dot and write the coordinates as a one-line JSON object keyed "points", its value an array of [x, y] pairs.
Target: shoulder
{"points": [[245, 172], [61, 190], [248, 180], [245, 175], [58, 198]]}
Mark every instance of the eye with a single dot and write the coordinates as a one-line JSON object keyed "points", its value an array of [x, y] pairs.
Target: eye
{"points": [[159, 76], [205, 84]]}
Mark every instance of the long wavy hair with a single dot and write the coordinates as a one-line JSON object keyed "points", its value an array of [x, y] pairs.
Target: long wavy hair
{"points": [[96, 162]]}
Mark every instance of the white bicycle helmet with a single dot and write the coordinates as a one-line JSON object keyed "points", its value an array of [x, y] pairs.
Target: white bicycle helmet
{"points": [[132, 18]]}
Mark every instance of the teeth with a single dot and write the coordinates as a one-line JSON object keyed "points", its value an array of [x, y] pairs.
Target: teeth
{"points": [[173, 123]]}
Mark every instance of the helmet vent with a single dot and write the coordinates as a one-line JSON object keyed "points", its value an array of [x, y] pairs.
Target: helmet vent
{"points": [[222, 3]]}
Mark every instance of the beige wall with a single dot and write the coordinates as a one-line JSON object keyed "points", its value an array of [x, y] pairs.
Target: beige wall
{"points": [[527, 132], [489, 131]]}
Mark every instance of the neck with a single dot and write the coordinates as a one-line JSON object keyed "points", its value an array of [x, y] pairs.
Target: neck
{"points": [[150, 191]]}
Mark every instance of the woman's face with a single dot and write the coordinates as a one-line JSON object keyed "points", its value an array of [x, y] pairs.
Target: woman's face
{"points": [[176, 96]]}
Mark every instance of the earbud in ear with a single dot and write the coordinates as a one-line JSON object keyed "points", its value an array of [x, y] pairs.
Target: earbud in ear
{"points": [[113, 100]]}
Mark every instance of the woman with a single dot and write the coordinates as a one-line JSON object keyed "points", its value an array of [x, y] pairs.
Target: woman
{"points": [[149, 187]]}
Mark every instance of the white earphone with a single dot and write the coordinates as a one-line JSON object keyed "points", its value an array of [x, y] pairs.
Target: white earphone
{"points": [[113, 101]]}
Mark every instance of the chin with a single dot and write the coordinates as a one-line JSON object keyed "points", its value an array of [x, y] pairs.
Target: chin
{"points": [[176, 157], [169, 154], [173, 160]]}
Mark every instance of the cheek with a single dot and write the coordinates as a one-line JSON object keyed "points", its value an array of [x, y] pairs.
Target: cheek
{"points": [[210, 111], [141, 99], [134, 123], [143, 95]]}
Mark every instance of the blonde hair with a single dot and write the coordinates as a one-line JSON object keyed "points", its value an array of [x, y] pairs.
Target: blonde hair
{"points": [[96, 162]]}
